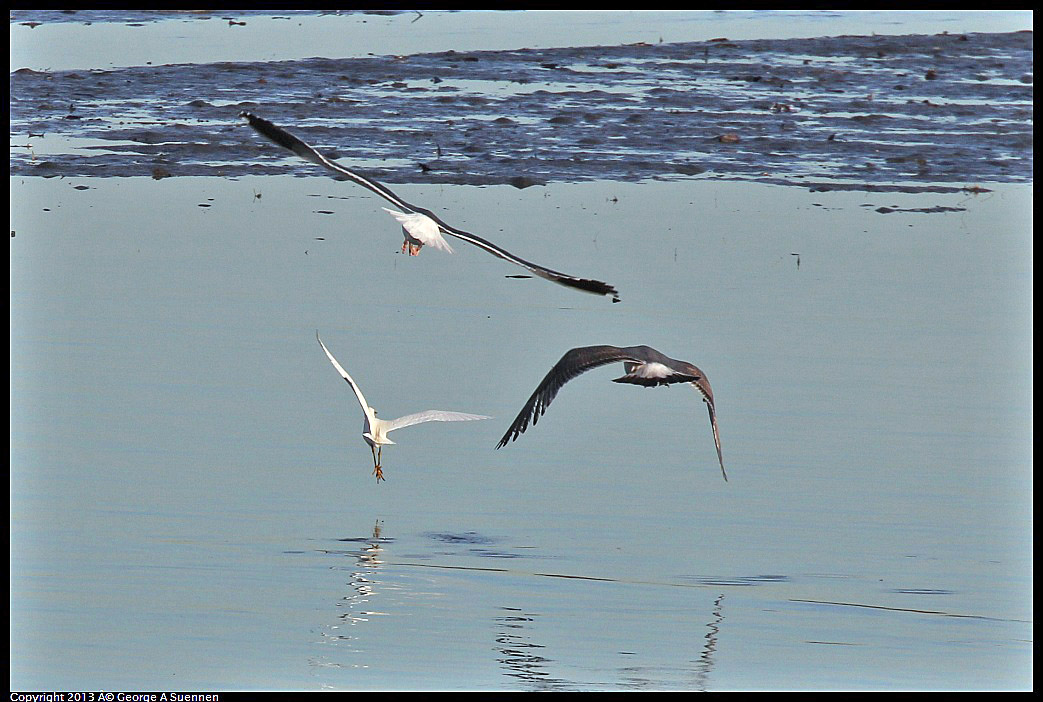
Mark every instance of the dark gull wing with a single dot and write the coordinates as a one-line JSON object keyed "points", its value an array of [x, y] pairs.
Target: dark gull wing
{"points": [[663, 370], [703, 386], [713, 425], [643, 365], [573, 363], [285, 139]]}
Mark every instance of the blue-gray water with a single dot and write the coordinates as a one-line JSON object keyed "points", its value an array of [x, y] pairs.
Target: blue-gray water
{"points": [[192, 504]]}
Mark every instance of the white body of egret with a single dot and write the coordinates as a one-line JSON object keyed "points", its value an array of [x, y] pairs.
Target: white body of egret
{"points": [[375, 430]]}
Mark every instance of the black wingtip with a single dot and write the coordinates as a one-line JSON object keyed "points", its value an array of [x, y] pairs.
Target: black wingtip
{"points": [[512, 435], [252, 119], [592, 286], [279, 136]]}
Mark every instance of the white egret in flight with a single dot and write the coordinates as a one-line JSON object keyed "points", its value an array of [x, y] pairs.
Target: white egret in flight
{"points": [[285, 139], [643, 365], [375, 430]]}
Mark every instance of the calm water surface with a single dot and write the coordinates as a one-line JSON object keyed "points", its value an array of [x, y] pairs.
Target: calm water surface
{"points": [[192, 504]]}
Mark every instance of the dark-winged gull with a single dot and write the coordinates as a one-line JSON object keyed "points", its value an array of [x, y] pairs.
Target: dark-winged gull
{"points": [[643, 365], [285, 139], [375, 430]]}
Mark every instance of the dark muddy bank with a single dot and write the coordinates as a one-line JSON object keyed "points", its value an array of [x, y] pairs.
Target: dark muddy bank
{"points": [[866, 112]]}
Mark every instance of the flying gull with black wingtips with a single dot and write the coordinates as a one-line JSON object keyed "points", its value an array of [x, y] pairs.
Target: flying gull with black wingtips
{"points": [[422, 220], [643, 365]]}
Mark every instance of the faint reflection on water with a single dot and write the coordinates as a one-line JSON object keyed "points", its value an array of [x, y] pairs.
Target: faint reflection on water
{"points": [[706, 661], [355, 605], [741, 581], [469, 537], [518, 654], [473, 539]]}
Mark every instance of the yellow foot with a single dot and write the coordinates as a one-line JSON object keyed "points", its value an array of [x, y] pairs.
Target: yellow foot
{"points": [[379, 473]]}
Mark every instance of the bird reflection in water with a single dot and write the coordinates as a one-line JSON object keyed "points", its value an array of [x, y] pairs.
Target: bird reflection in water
{"points": [[355, 607], [519, 656], [524, 660], [704, 666]]}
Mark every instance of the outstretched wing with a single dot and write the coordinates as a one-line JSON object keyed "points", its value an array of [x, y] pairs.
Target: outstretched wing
{"points": [[284, 138], [661, 370], [573, 363], [344, 374], [430, 416], [703, 386], [643, 365]]}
